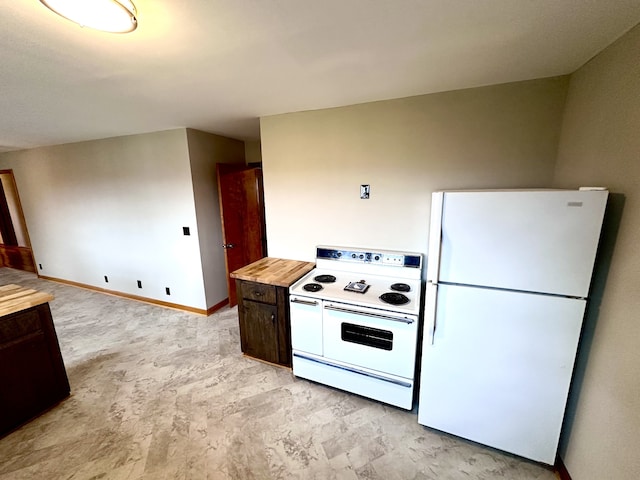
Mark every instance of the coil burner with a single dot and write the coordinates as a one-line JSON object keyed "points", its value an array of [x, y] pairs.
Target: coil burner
{"points": [[325, 278], [400, 287], [312, 287], [394, 298]]}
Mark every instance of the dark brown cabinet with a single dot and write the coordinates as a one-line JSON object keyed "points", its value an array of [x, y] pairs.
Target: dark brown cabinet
{"points": [[263, 307], [263, 311], [32, 373]]}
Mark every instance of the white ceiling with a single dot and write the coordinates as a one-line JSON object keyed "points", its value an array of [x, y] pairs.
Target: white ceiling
{"points": [[219, 65]]}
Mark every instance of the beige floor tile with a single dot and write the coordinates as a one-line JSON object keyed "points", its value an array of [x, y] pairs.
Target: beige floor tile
{"points": [[162, 394]]}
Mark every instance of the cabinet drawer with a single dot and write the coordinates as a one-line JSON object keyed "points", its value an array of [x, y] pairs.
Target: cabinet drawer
{"points": [[18, 325], [259, 292]]}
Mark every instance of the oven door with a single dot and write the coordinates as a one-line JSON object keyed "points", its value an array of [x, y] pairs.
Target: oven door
{"points": [[370, 338], [306, 324]]}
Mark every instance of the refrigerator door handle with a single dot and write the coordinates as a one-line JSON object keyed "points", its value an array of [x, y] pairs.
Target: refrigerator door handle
{"points": [[435, 237], [431, 304]]}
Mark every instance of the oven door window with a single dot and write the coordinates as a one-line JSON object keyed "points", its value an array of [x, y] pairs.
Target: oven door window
{"points": [[371, 337]]}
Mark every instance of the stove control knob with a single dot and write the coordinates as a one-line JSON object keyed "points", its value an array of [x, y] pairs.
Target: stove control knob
{"points": [[376, 258], [361, 256], [353, 255]]}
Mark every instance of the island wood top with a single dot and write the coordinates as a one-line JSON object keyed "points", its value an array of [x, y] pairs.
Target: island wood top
{"points": [[274, 271], [14, 298]]}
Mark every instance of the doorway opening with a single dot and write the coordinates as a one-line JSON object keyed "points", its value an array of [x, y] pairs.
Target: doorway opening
{"points": [[15, 246]]}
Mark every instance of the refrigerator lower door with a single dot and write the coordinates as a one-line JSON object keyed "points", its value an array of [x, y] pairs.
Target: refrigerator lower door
{"points": [[497, 368]]}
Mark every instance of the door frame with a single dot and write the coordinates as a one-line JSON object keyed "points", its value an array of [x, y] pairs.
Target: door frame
{"points": [[25, 252]]}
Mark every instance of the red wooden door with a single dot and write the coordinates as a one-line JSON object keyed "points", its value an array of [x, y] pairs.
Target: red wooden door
{"points": [[242, 212]]}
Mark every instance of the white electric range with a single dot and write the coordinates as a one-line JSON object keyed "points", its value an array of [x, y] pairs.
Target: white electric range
{"points": [[354, 322]]}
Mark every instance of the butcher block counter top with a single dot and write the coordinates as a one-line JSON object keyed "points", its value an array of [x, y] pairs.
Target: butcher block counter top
{"points": [[14, 298], [273, 271], [263, 307]]}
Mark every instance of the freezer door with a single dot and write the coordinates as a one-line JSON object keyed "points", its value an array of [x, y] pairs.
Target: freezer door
{"points": [[499, 368], [537, 241]]}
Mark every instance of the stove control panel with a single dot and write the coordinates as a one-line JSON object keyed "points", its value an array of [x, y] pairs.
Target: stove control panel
{"points": [[379, 257]]}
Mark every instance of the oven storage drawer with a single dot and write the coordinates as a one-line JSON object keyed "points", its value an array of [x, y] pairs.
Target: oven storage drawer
{"points": [[306, 324], [260, 292], [374, 339], [383, 387]]}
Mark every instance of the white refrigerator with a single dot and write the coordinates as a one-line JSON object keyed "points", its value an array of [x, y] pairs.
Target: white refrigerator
{"points": [[508, 277]]}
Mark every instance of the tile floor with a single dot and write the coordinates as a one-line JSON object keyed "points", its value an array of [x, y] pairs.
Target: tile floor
{"points": [[162, 394]]}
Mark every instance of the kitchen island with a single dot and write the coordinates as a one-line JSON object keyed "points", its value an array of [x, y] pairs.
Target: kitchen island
{"points": [[32, 373], [263, 307]]}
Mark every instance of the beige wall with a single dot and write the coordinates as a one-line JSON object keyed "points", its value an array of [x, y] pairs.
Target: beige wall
{"points": [[114, 207], [253, 152], [205, 150], [314, 162], [600, 144], [117, 207]]}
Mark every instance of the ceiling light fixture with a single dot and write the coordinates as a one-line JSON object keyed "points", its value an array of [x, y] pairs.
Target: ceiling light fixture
{"points": [[115, 16]]}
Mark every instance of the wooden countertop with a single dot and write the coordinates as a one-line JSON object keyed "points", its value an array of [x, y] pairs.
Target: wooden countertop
{"points": [[14, 298], [274, 271]]}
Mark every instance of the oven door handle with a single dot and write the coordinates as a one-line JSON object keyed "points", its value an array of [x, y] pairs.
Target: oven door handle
{"points": [[369, 314], [304, 302], [353, 370]]}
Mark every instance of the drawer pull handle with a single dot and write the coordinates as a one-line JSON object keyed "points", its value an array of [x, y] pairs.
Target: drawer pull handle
{"points": [[408, 321], [304, 302]]}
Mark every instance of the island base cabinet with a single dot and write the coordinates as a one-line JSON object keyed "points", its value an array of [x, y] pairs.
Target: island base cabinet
{"points": [[264, 322], [32, 373]]}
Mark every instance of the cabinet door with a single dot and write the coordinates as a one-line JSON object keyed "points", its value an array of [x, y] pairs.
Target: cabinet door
{"points": [[28, 381], [32, 374], [259, 330]]}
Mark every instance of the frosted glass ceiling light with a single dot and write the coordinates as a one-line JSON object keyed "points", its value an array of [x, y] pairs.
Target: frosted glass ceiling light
{"points": [[115, 16]]}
